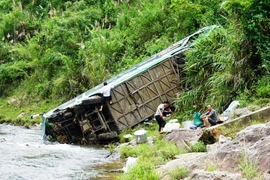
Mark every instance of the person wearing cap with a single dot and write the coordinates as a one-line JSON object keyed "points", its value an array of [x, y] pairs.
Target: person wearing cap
{"points": [[159, 115]]}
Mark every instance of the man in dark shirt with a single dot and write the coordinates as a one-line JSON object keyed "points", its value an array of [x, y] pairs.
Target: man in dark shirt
{"points": [[209, 117]]}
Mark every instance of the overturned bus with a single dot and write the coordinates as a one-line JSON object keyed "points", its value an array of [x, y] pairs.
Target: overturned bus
{"points": [[135, 95]]}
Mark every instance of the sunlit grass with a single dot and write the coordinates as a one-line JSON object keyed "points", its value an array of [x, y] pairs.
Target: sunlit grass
{"points": [[10, 113], [178, 173], [150, 156], [249, 167]]}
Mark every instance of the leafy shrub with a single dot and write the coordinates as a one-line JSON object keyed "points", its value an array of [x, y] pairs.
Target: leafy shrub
{"points": [[178, 173], [162, 151], [142, 170], [211, 68], [211, 167], [263, 88], [249, 168], [198, 147]]}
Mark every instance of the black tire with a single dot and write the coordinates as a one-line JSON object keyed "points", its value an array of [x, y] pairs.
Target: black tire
{"points": [[110, 136]]}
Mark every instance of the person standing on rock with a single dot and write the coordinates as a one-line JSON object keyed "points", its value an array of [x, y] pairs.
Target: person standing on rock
{"points": [[159, 116], [106, 93], [209, 117]]}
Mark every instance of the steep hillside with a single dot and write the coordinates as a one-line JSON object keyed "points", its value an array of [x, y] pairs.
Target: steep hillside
{"points": [[54, 50]]}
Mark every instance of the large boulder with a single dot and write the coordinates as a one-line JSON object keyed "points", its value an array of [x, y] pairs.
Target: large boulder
{"points": [[252, 143], [184, 137], [216, 175], [191, 161]]}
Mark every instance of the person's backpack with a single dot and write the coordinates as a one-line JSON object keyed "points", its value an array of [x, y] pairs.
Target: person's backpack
{"points": [[197, 120]]}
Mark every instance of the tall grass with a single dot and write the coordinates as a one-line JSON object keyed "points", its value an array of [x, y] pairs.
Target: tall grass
{"points": [[212, 71], [249, 168]]}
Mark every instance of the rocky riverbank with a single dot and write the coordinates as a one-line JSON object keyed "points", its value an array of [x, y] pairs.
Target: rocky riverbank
{"points": [[235, 149], [245, 157]]}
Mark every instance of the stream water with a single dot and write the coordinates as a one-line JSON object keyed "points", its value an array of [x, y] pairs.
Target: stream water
{"points": [[25, 156]]}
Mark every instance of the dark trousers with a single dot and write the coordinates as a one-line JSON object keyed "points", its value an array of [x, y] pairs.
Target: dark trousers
{"points": [[105, 99], [160, 121]]}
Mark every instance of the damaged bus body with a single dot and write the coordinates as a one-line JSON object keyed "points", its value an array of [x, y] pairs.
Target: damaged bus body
{"points": [[135, 95]]}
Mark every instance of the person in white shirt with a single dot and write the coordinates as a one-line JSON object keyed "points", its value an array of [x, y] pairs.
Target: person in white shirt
{"points": [[159, 116], [106, 93]]}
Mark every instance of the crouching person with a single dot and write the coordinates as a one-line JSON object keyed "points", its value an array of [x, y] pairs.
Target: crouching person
{"points": [[159, 115], [209, 117]]}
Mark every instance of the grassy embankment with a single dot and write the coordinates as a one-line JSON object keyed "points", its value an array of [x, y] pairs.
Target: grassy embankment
{"points": [[52, 51], [151, 156], [18, 111]]}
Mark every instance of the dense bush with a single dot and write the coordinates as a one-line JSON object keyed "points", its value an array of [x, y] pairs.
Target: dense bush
{"points": [[58, 49], [230, 60], [75, 45]]}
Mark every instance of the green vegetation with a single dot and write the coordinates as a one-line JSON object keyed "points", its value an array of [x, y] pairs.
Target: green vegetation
{"points": [[53, 50], [142, 170], [231, 129], [19, 111], [152, 130], [111, 148], [159, 153], [149, 157], [199, 147], [178, 173], [211, 167], [249, 168], [231, 62]]}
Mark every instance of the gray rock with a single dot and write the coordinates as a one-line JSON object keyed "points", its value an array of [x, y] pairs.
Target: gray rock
{"points": [[183, 134], [266, 175], [234, 113], [184, 138], [215, 175], [252, 142], [242, 111], [222, 139], [132, 142], [151, 140], [212, 147], [21, 115], [190, 160]]}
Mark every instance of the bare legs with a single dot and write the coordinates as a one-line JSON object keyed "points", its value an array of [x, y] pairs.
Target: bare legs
{"points": [[161, 130], [101, 107], [205, 120]]}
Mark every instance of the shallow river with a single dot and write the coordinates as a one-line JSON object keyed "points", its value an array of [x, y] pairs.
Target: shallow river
{"points": [[25, 156]]}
